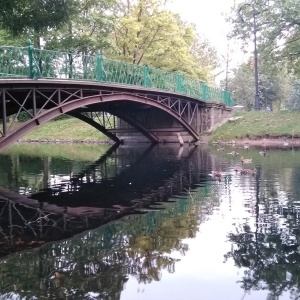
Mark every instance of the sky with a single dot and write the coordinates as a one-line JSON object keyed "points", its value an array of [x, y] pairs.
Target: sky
{"points": [[208, 17]]}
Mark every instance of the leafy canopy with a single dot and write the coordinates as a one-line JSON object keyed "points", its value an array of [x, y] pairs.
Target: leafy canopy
{"points": [[277, 27], [21, 16], [87, 30], [147, 33], [138, 31]]}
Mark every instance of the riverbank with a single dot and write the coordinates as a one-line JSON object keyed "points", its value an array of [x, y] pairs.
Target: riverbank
{"points": [[265, 142], [65, 141], [263, 129], [259, 128], [67, 131]]}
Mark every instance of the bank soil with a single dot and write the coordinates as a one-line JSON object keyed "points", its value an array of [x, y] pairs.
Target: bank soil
{"points": [[275, 142]]}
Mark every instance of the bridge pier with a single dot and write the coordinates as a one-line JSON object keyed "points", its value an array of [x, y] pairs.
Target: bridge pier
{"points": [[218, 113]]}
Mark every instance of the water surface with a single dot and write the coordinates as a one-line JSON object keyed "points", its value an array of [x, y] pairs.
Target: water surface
{"points": [[148, 223]]}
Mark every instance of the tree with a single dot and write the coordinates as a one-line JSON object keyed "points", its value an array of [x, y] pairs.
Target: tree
{"points": [[278, 30], [294, 95], [87, 30], [138, 31], [205, 58], [241, 84], [269, 89], [37, 16], [146, 33], [243, 88], [6, 38]]}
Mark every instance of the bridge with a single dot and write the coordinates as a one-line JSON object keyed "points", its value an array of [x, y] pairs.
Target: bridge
{"points": [[126, 102]]}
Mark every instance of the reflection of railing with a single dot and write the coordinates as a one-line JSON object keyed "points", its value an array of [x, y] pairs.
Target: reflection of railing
{"points": [[39, 63]]}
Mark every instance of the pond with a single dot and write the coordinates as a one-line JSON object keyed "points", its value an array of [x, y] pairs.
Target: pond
{"points": [[149, 222]]}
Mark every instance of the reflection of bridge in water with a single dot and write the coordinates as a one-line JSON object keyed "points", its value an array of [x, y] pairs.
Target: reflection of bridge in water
{"points": [[101, 259], [123, 181]]}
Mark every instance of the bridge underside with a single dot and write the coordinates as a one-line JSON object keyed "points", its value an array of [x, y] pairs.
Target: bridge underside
{"points": [[121, 112]]}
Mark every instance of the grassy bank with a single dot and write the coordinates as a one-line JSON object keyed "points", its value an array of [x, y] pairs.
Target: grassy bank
{"points": [[66, 129], [259, 124], [251, 125]]}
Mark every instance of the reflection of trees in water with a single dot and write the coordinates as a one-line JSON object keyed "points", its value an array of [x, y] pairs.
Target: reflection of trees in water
{"points": [[269, 264], [267, 245], [26, 174], [101, 260]]}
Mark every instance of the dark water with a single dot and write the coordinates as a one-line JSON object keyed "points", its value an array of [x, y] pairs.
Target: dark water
{"points": [[93, 222]]}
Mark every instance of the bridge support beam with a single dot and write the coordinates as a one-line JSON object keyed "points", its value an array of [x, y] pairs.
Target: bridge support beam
{"points": [[166, 129], [4, 118], [144, 115]]}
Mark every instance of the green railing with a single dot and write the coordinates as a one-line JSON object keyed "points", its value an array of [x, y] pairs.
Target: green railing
{"points": [[38, 63]]}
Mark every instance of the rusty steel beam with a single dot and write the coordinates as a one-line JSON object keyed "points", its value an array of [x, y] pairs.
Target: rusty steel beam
{"points": [[95, 125], [138, 126], [47, 98], [4, 119], [72, 105]]}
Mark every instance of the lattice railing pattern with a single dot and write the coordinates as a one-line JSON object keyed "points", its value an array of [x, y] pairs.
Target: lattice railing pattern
{"points": [[40, 63]]}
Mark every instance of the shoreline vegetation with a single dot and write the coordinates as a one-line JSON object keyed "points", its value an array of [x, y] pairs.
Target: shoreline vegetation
{"points": [[255, 128], [259, 128], [66, 131]]}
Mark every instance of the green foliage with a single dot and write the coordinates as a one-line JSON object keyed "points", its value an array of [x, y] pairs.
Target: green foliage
{"points": [[66, 129], [6, 38], [205, 59], [241, 84], [272, 87], [142, 32], [146, 33], [278, 30], [278, 42], [87, 29], [294, 99], [23, 116], [269, 89], [20, 16]]}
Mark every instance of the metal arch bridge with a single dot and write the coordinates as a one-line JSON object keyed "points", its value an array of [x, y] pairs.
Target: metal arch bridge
{"points": [[115, 97]]}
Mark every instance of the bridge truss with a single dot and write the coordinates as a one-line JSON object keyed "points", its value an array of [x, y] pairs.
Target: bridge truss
{"points": [[111, 109]]}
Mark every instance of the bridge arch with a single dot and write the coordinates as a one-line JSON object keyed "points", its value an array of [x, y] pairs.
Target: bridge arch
{"points": [[68, 107], [95, 125], [137, 126]]}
